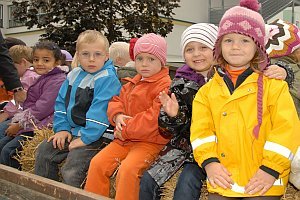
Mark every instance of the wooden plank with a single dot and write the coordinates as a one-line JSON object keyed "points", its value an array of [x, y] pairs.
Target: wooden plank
{"points": [[45, 186], [11, 191]]}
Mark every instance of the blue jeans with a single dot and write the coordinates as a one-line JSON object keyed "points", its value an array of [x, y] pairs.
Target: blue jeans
{"points": [[188, 186], [149, 189], [8, 148], [74, 169], [190, 182], [3, 127]]}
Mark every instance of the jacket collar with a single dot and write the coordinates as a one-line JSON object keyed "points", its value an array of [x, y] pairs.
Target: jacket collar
{"points": [[188, 73]]}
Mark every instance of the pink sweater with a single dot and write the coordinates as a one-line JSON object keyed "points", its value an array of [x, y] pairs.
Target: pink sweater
{"points": [[28, 78]]}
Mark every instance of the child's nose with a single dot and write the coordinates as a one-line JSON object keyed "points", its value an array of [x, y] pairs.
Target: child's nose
{"points": [[92, 57], [236, 44], [40, 62]]}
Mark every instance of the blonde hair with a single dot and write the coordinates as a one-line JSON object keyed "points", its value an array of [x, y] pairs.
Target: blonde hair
{"points": [[74, 62], [19, 52], [118, 50], [90, 36]]}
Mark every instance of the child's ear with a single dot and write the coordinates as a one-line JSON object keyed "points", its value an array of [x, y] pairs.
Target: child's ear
{"points": [[58, 62], [23, 62]]}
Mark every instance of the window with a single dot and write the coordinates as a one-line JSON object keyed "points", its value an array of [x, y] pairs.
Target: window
{"points": [[11, 21]]}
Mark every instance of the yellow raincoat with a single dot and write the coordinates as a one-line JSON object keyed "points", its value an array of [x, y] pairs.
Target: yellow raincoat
{"points": [[222, 126]]}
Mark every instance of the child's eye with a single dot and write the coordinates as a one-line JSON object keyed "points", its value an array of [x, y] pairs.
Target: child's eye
{"points": [[35, 60], [151, 59], [189, 50], [245, 40], [138, 58], [85, 54], [46, 60], [98, 54], [228, 40]]}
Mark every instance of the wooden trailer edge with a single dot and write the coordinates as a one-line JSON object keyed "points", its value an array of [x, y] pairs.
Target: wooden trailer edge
{"points": [[46, 186]]}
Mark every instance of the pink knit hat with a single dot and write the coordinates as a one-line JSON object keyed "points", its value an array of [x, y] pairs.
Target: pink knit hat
{"points": [[152, 44], [245, 20]]}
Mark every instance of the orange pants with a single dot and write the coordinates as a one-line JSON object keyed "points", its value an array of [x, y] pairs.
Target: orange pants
{"points": [[5, 95], [133, 159]]}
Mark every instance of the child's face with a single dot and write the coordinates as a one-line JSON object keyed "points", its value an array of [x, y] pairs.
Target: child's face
{"points": [[238, 50], [92, 56], [43, 61], [198, 56], [147, 64]]}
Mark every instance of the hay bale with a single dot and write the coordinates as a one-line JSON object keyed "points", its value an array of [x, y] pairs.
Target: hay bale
{"points": [[26, 156]]}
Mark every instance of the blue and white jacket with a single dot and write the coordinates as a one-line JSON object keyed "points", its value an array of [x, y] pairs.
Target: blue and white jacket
{"points": [[81, 104]]}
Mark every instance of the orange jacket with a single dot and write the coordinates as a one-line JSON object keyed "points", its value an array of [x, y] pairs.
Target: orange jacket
{"points": [[4, 94], [139, 99]]}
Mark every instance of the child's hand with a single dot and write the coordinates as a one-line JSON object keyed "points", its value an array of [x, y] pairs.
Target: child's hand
{"points": [[76, 143], [218, 175], [59, 139], [20, 97], [118, 135], [3, 116], [261, 182], [170, 104], [120, 121], [12, 129], [274, 71]]}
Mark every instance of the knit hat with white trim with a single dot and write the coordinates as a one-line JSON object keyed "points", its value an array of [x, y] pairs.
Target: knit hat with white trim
{"points": [[202, 32]]}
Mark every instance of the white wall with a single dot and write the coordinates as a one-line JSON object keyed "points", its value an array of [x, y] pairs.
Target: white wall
{"points": [[189, 12]]}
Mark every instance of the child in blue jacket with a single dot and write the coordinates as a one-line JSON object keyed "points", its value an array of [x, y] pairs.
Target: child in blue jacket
{"points": [[80, 120]]}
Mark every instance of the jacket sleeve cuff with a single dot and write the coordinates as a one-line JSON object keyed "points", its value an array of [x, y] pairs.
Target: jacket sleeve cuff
{"points": [[270, 171], [209, 160]]}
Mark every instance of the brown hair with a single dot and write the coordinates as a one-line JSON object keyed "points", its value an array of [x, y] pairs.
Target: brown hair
{"points": [[295, 56]]}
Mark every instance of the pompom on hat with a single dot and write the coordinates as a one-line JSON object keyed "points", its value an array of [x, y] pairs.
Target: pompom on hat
{"points": [[244, 19], [203, 33], [152, 44], [132, 42]]}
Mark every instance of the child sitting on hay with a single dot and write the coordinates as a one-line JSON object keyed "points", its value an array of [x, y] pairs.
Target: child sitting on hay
{"points": [[39, 104], [80, 120]]}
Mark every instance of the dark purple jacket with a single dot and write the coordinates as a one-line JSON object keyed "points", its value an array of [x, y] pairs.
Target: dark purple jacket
{"points": [[39, 104]]}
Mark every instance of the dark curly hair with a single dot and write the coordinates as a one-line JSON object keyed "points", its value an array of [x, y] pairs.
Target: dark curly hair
{"points": [[51, 46]]}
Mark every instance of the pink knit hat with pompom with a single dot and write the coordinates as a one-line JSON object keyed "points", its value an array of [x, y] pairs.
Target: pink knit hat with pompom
{"points": [[245, 20]]}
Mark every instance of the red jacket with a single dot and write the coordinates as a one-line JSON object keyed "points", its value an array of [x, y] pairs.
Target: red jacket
{"points": [[139, 99]]}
